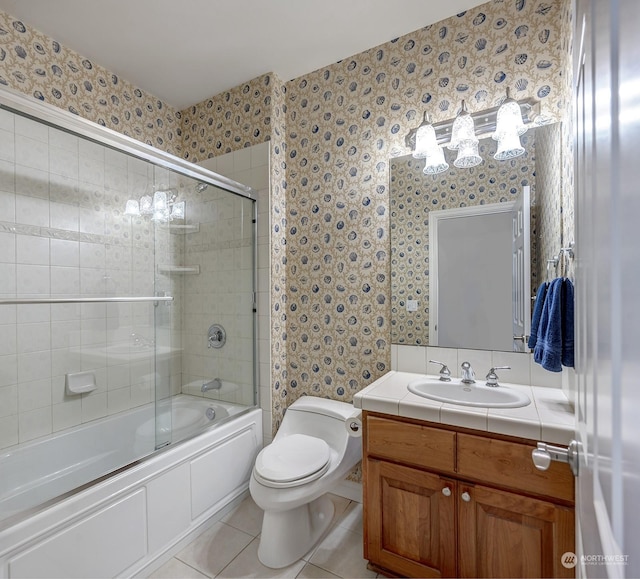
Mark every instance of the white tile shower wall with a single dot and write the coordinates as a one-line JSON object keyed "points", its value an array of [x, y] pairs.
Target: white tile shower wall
{"points": [[62, 233], [523, 369], [250, 166]]}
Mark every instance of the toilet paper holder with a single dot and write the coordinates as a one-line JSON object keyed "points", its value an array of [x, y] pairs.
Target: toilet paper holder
{"points": [[353, 424]]}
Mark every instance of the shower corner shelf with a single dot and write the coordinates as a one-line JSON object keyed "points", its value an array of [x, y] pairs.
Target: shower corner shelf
{"points": [[184, 229], [179, 269]]}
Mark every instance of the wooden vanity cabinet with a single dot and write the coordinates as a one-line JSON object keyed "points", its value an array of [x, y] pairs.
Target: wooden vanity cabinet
{"points": [[440, 502]]}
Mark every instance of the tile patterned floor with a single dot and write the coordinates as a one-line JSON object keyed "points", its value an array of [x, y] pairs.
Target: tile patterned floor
{"points": [[230, 549]]}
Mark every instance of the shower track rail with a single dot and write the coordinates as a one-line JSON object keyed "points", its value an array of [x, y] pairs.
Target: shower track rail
{"points": [[23, 301]]}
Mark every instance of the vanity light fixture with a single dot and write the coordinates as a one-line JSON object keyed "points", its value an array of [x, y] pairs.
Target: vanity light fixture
{"points": [[427, 148], [484, 123], [162, 206]]}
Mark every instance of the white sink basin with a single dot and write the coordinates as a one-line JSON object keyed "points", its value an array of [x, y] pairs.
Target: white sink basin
{"points": [[477, 394]]}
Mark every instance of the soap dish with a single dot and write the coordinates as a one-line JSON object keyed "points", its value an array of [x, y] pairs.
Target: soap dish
{"points": [[80, 382]]}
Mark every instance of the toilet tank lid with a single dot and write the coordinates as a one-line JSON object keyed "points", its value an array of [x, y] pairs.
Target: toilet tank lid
{"points": [[324, 406]]}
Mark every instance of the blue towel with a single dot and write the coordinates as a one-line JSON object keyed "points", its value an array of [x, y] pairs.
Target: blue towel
{"points": [[548, 349], [567, 324], [537, 313]]}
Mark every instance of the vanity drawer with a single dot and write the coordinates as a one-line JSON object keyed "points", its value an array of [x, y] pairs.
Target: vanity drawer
{"points": [[509, 464], [411, 444]]}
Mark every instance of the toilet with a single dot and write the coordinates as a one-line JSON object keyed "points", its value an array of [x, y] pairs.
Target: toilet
{"points": [[309, 454]]}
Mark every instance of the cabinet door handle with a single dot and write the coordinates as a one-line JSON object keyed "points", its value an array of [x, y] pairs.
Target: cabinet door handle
{"points": [[446, 491], [466, 497]]}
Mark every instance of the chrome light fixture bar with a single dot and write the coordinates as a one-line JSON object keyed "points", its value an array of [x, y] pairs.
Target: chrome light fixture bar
{"points": [[484, 121]]}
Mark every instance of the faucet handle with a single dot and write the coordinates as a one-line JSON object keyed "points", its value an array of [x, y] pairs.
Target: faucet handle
{"points": [[445, 373], [492, 377]]}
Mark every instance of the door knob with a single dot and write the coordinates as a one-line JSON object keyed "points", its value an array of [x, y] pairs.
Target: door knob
{"points": [[466, 497], [446, 491]]}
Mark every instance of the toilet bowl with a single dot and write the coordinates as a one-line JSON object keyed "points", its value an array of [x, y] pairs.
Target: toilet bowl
{"points": [[291, 476]]}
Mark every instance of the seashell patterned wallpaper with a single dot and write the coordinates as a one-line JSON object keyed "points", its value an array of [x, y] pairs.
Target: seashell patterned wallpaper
{"points": [[33, 63], [413, 195], [234, 119], [333, 132], [568, 209], [550, 181], [344, 122]]}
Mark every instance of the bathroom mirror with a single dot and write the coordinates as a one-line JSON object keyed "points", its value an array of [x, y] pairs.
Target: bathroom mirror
{"points": [[414, 196]]}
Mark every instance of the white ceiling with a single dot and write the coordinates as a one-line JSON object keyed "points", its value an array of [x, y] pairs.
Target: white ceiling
{"points": [[184, 51]]}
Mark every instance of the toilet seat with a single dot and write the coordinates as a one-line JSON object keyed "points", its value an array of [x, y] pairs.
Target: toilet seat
{"points": [[292, 461]]}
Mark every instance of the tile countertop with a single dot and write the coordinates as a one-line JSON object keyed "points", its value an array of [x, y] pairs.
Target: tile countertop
{"points": [[549, 417]]}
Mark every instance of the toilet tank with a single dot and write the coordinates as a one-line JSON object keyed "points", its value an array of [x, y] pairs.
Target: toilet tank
{"points": [[319, 417]]}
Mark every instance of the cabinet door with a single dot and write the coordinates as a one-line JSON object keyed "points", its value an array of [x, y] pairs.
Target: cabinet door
{"points": [[502, 534], [409, 520]]}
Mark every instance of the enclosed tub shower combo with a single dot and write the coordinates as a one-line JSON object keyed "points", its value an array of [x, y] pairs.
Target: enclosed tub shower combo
{"points": [[128, 415]]}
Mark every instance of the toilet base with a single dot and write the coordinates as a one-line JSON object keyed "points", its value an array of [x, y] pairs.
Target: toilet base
{"points": [[288, 535]]}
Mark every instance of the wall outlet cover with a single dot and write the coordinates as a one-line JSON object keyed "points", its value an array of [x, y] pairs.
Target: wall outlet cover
{"points": [[412, 305]]}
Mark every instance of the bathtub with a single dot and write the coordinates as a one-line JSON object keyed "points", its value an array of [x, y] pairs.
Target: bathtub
{"points": [[119, 524]]}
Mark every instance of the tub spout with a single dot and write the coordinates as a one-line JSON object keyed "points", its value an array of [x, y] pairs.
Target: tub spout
{"points": [[214, 384]]}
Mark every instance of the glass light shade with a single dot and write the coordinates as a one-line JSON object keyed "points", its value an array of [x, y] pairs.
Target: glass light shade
{"points": [[132, 207], [434, 162], [161, 215], [178, 210], [160, 201], [509, 119], [509, 147], [463, 130], [426, 141], [146, 205], [468, 154]]}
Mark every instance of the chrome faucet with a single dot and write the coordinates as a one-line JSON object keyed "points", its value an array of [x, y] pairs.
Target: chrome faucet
{"points": [[468, 375], [214, 384]]}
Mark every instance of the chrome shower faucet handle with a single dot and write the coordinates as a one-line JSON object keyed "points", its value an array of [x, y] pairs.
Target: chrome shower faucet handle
{"points": [[445, 373]]}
